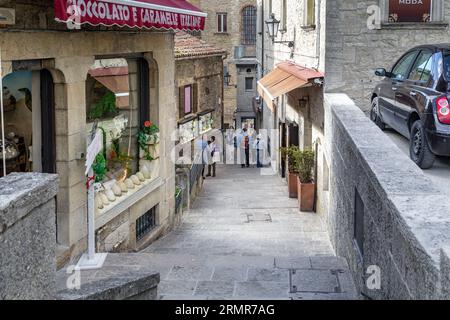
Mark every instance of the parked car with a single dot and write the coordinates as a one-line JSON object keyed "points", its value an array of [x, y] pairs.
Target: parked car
{"points": [[413, 99]]}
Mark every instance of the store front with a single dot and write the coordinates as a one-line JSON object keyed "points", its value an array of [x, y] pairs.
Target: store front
{"points": [[59, 86]]}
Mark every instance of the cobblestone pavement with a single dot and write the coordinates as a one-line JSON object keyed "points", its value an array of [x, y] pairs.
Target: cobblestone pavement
{"points": [[245, 239]]}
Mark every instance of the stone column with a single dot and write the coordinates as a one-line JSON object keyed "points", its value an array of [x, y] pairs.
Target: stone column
{"points": [[70, 114], [27, 236]]}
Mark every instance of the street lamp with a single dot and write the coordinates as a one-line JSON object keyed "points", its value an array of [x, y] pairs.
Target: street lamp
{"points": [[227, 78], [273, 26]]}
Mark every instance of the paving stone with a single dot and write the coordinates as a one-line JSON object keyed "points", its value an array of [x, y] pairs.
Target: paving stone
{"points": [[320, 281], [215, 288], [255, 289], [176, 287], [190, 273], [228, 258], [229, 274], [277, 275]]}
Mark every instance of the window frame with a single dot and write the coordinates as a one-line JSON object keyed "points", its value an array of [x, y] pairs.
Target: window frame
{"points": [[245, 84], [222, 22], [309, 19], [427, 51], [248, 28], [408, 71]]}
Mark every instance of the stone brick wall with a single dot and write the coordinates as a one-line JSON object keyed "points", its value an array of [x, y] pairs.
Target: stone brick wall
{"points": [[207, 72], [225, 41], [402, 236], [27, 236], [353, 51]]}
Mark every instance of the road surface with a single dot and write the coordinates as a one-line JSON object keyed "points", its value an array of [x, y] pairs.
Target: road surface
{"points": [[439, 173]]}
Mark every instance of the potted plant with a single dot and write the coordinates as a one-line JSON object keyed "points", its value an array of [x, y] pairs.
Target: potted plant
{"points": [[306, 186], [148, 138], [291, 154]]}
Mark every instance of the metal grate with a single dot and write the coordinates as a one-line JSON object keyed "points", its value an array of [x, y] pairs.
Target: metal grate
{"points": [[249, 25], [145, 223]]}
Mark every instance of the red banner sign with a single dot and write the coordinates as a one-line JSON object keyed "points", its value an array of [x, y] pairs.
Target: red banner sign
{"points": [[159, 14], [409, 10]]}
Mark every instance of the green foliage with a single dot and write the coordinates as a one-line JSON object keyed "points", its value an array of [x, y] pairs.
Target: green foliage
{"points": [[99, 167], [147, 134], [292, 157], [104, 108], [305, 161]]}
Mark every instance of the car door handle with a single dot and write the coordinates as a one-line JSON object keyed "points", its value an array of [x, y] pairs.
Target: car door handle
{"points": [[413, 93]]}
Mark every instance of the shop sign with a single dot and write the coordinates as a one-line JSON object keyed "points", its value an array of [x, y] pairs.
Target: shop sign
{"points": [[163, 14], [410, 10], [7, 16]]}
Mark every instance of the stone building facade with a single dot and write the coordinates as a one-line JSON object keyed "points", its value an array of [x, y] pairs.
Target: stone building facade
{"points": [[357, 42], [346, 41], [63, 63], [200, 90], [240, 63]]}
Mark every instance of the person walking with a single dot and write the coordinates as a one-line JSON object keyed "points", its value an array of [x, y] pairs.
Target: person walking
{"points": [[244, 143], [205, 154], [259, 147], [214, 153]]}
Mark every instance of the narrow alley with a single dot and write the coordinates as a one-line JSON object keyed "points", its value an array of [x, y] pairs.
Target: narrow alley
{"points": [[245, 239]]}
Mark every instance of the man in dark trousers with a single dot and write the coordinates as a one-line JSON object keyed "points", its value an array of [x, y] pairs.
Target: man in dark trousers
{"points": [[245, 147]]}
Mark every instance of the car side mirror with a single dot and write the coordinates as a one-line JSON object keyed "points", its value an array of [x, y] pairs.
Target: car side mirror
{"points": [[381, 72]]}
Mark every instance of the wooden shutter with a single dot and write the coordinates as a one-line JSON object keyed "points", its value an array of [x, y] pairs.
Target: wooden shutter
{"points": [[180, 102], [194, 98]]}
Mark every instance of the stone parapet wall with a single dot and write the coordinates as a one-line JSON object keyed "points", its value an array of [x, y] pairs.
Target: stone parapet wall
{"points": [[27, 236], [405, 218]]}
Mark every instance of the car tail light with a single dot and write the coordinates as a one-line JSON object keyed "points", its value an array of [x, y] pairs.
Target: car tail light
{"points": [[443, 110]]}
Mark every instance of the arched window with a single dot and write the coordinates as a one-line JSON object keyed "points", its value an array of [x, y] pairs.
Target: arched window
{"points": [[249, 25]]}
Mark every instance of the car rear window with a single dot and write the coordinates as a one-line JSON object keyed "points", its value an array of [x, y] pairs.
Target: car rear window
{"points": [[447, 64]]}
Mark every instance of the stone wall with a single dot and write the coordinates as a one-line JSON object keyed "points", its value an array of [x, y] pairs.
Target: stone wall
{"points": [[27, 236], [405, 221], [353, 51], [226, 41], [207, 73]]}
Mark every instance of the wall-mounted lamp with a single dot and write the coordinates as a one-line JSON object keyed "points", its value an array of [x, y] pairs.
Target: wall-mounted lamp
{"points": [[273, 26], [227, 78]]}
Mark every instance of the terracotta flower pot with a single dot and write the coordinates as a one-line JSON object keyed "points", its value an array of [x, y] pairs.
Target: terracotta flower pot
{"points": [[292, 184], [306, 196]]}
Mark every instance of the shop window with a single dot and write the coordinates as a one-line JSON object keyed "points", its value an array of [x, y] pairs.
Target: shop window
{"points": [[205, 122], [309, 16], [412, 11], [188, 100], [28, 100], [117, 104], [222, 23]]}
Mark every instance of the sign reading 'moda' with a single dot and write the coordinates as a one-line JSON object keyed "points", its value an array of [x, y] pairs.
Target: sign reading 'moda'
{"points": [[410, 10], [141, 14]]}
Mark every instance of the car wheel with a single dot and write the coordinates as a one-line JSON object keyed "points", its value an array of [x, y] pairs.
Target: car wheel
{"points": [[375, 114], [419, 150]]}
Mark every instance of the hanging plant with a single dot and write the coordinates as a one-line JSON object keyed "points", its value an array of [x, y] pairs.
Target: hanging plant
{"points": [[105, 107]]}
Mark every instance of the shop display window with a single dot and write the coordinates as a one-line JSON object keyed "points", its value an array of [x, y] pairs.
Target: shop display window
{"points": [[127, 160], [18, 120]]}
